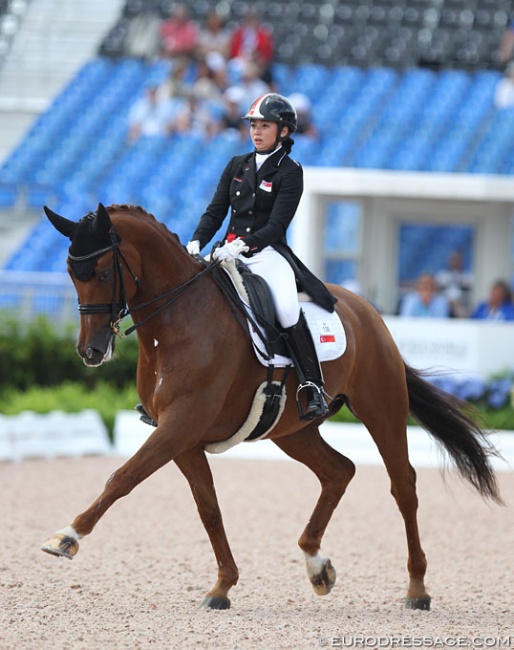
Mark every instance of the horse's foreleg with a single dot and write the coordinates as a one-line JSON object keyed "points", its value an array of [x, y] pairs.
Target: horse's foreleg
{"points": [[153, 454], [193, 464], [334, 472]]}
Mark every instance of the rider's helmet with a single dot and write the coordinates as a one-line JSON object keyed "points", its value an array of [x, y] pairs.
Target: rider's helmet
{"points": [[273, 107]]}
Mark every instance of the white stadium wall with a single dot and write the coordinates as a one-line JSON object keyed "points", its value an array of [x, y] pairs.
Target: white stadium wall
{"points": [[389, 199]]}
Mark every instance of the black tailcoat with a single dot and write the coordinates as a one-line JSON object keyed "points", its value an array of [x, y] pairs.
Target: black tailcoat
{"points": [[262, 205]]}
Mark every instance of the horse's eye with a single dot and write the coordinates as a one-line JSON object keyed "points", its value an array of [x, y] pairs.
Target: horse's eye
{"points": [[103, 276]]}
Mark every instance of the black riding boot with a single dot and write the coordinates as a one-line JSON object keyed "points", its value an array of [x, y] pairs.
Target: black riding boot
{"points": [[307, 366], [144, 415]]}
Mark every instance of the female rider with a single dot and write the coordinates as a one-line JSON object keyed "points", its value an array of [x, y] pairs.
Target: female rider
{"points": [[262, 189]]}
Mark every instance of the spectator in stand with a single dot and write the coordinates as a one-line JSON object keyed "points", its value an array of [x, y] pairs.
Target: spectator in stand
{"points": [[232, 116], [208, 85], [456, 284], [252, 43], [213, 36], [504, 93], [425, 301], [250, 84], [506, 47], [196, 117], [218, 67], [150, 116], [498, 307], [304, 113], [179, 35], [174, 86]]}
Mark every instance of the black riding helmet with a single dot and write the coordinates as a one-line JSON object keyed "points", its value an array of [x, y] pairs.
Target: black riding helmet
{"points": [[273, 107]]}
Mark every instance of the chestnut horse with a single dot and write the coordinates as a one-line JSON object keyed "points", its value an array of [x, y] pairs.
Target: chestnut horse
{"points": [[197, 375]]}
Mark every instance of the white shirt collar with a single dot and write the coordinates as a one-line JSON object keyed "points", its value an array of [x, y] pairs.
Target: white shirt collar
{"points": [[260, 158]]}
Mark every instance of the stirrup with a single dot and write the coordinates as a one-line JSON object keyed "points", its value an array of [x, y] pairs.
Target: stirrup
{"points": [[316, 406], [144, 417]]}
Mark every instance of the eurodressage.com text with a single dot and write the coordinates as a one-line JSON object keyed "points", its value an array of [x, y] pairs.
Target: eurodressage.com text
{"points": [[476, 642]]}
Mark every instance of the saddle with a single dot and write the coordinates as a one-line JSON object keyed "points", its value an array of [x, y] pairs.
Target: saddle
{"points": [[250, 298], [261, 304]]}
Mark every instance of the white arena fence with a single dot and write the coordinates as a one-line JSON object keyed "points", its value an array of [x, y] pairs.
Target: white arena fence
{"points": [[58, 434]]}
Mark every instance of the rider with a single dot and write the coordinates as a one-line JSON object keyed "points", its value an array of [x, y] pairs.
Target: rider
{"points": [[262, 189]]}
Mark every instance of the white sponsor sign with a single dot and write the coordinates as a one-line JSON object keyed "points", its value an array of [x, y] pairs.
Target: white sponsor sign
{"points": [[464, 346]]}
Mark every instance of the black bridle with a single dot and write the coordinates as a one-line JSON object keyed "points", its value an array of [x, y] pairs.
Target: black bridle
{"points": [[118, 308]]}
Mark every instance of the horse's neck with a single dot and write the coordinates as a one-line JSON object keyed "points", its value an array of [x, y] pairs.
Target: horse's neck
{"points": [[167, 270], [164, 261]]}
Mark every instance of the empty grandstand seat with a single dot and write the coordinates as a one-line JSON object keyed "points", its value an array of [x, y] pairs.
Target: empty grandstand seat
{"points": [[8, 194], [376, 117]]}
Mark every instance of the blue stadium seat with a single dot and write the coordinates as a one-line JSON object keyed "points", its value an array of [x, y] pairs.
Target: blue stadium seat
{"points": [[8, 194], [380, 118]]}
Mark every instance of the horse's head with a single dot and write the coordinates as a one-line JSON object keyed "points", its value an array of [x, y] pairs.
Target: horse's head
{"points": [[95, 267]]}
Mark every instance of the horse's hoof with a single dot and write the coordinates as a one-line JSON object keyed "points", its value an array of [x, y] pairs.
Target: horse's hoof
{"points": [[215, 602], [323, 581], [418, 603], [61, 546]]}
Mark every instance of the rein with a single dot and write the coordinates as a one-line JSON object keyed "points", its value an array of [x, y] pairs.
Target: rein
{"points": [[119, 310], [174, 294]]}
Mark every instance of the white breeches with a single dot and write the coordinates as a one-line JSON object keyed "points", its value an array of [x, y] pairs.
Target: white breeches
{"points": [[275, 269]]}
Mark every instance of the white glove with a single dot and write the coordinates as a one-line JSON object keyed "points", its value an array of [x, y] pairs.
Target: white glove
{"points": [[230, 251], [193, 247]]}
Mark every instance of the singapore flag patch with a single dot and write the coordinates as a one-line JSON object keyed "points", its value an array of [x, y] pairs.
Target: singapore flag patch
{"points": [[266, 186]]}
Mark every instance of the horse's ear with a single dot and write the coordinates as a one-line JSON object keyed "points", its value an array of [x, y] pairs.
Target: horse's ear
{"points": [[64, 226], [103, 220]]}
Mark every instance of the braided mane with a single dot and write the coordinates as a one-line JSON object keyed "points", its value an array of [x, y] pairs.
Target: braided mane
{"points": [[140, 213]]}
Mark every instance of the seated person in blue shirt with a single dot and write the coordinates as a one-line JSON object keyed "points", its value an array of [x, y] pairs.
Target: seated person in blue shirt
{"points": [[425, 301], [498, 307]]}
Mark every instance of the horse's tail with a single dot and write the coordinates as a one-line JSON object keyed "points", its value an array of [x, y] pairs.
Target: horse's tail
{"points": [[455, 426]]}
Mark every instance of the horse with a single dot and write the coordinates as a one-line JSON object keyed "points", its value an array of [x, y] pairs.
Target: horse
{"points": [[197, 374]]}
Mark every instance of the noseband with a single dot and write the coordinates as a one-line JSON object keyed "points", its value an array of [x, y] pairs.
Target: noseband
{"points": [[118, 309]]}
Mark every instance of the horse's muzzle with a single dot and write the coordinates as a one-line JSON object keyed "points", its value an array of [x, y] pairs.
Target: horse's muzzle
{"points": [[93, 356]]}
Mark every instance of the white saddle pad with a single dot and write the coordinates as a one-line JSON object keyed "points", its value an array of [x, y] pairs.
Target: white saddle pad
{"points": [[327, 333], [326, 329]]}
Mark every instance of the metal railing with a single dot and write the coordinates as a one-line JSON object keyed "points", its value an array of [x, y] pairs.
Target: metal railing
{"points": [[26, 295]]}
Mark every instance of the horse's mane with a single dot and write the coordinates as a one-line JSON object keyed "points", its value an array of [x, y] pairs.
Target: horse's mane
{"points": [[138, 212]]}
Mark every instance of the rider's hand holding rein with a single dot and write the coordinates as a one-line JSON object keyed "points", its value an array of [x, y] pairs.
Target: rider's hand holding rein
{"points": [[230, 251], [193, 247]]}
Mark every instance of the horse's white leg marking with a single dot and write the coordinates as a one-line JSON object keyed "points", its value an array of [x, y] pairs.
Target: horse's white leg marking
{"points": [[64, 543], [315, 564], [321, 573], [69, 531]]}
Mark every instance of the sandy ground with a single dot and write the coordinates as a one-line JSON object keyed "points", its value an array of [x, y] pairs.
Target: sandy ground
{"points": [[139, 578]]}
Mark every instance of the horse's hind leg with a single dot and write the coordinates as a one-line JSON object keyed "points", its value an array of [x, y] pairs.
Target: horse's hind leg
{"points": [[193, 464], [403, 489], [334, 472], [386, 420]]}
